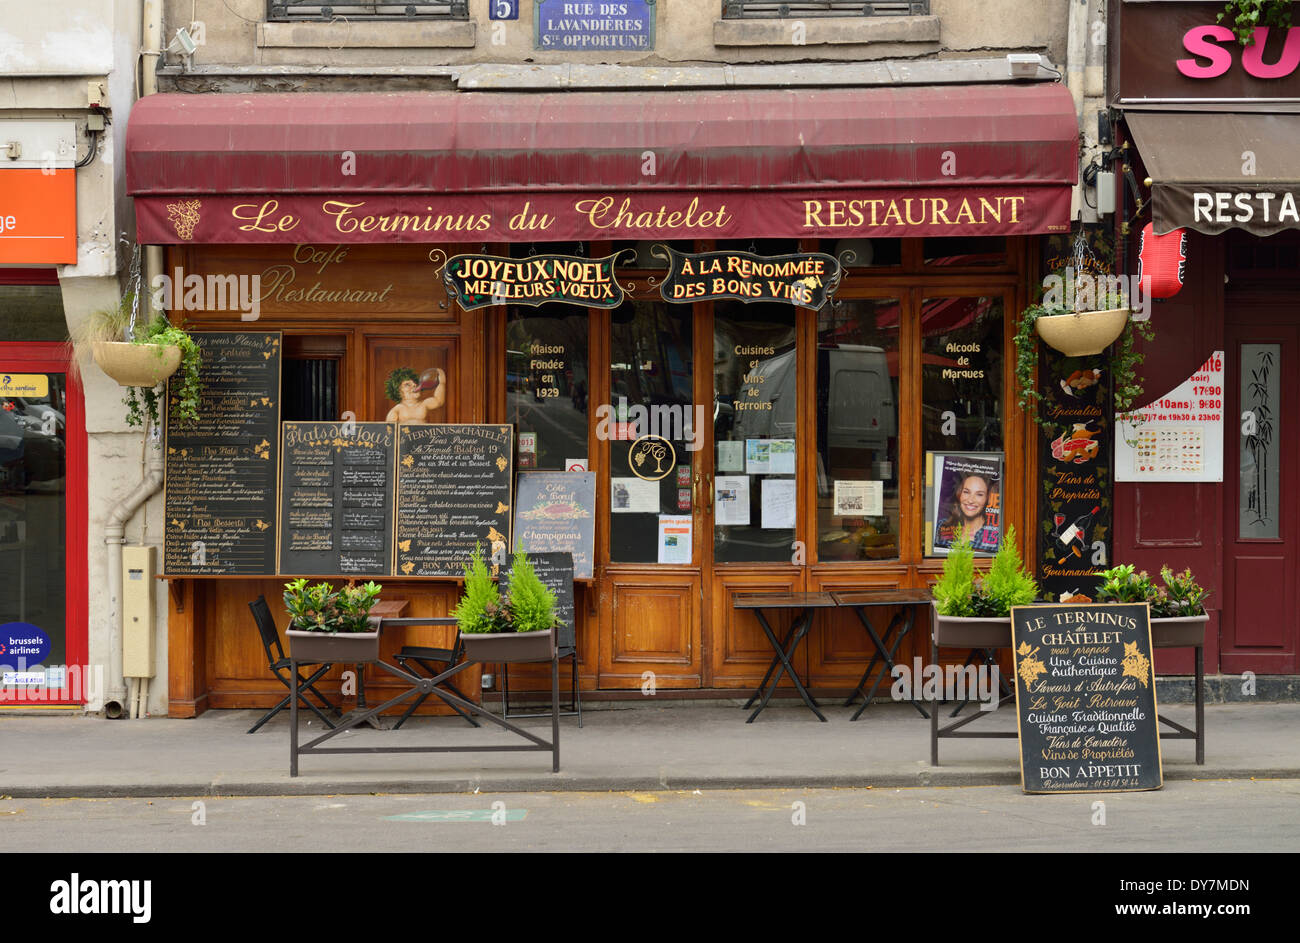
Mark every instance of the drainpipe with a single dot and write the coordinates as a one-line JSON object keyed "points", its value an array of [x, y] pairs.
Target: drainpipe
{"points": [[1076, 62], [115, 530], [115, 537]]}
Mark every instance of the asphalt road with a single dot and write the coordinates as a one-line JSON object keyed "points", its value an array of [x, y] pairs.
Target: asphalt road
{"points": [[1219, 816]]}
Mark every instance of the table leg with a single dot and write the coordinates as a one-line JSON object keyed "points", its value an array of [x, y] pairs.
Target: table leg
{"points": [[797, 631], [1200, 705], [776, 660], [934, 706], [887, 654], [293, 718], [555, 714]]}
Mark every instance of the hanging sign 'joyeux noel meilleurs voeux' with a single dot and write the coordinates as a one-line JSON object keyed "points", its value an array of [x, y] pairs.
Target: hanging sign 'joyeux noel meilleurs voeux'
{"points": [[475, 281]]}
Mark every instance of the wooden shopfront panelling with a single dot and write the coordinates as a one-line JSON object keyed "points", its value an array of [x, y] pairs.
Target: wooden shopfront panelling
{"points": [[676, 621]]}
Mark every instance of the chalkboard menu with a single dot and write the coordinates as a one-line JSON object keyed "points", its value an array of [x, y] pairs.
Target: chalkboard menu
{"points": [[219, 497], [555, 570], [453, 491], [555, 513], [336, 503], [1086, 698]]}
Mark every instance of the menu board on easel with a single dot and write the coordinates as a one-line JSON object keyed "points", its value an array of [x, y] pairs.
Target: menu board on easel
{"points": [[219, 496], [1086, 698], [453, 491], [336, 498]]}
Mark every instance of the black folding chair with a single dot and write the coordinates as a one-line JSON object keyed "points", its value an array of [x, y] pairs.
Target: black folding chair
{"points": [[279, 666], [426, 658], [566, 646]]}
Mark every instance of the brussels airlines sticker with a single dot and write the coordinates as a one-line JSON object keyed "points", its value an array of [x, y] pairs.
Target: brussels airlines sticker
{"points": [[22, 645]]}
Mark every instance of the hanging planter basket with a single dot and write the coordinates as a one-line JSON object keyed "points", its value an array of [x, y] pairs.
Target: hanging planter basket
{"points": [[1082, 334], [144, 365]]}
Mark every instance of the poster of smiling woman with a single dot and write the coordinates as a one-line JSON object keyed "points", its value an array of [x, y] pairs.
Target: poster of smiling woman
{"points": [[964, 499]]}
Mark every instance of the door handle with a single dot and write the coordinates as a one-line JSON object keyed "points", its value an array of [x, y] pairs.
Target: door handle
{"points": [[709, 500]]}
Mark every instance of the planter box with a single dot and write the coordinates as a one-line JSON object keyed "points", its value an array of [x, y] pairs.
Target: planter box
{"points": [[1083, 334], [1180, 632], [509, 647], [329, 647], [144, 365], [962, 632]]}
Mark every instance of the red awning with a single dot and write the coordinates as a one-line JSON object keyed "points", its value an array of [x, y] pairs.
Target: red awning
{"points": [[430, 167]]}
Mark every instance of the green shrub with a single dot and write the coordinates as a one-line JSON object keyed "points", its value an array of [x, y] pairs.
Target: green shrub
{"points": [[953, 592], [478, 610], [1007, 583], [531, 602]]}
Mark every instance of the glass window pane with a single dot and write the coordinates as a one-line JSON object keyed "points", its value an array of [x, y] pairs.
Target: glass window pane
{"points": [[546, 384], [33, 518], [864, 253], [966, 251], [961, 374], [33, 313], [755, 409], [857, 430], [651, 375], [1260, 460]]}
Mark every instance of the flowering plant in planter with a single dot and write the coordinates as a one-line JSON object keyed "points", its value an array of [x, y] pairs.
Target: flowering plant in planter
{"points": [[1179, 598], [321, 608]]}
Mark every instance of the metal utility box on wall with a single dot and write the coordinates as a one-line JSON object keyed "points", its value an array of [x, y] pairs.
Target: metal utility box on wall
{"points": [[138, 570]]}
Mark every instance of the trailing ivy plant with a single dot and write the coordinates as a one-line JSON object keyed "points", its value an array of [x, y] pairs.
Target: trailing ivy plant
{"points": [[1246, 15], [142, 403], [1125, 359]]}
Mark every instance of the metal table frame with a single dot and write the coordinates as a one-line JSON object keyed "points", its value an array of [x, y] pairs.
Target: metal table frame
{"points": [[807, 604], [907, 601], [426, 685]]}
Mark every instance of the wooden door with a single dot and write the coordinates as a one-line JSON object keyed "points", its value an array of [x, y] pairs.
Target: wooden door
{"points": [[1261, 475]]}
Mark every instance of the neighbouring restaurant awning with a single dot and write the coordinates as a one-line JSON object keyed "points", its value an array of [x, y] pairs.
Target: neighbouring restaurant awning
{"points": [[1218, 171], [482, 167]]}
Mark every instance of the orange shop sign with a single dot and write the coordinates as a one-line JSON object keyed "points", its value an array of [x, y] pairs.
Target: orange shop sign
{"points": [[38, 216]]}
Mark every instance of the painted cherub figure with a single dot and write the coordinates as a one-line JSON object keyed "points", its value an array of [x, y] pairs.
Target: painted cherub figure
{"points": [[404, 389]]}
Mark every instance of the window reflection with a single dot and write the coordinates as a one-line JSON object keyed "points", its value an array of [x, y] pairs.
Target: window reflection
{"points": [[857, 430], [547, 385]]}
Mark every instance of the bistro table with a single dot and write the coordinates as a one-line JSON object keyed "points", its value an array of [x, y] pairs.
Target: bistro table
{"points": [[806, 605], [907, 601]]}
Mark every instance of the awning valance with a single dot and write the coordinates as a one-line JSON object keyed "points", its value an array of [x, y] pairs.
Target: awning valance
{"points": [[442, 166], [1218, 171]]}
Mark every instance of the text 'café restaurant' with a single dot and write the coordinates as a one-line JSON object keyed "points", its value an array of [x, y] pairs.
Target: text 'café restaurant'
{"points": [[888, 241]]}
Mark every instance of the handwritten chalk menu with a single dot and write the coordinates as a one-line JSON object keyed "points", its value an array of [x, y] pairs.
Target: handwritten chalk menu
{"points": [[336, 498], [453, 491], [555, 570], [555, 513], [1086, 698], [219, 497]]}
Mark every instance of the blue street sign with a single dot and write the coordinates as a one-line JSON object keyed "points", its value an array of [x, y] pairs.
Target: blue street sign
{"points": [[593, 25]]}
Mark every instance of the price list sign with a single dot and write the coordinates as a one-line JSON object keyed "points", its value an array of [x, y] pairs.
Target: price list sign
{"points": [[1086, 698], [337, 498], [453, 491], [555, 514], [1179, 437], [219, 496]]}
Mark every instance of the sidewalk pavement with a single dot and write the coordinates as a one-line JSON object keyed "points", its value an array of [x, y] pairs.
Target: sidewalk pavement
{"points": [[672, 745]]}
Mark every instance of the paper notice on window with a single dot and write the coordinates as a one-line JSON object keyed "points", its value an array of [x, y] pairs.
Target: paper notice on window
{"points": [[731, 500], [758, 456], [674, 539], [780, 457], [633, 496], [731, 457], [778, 503], [859, 499]]}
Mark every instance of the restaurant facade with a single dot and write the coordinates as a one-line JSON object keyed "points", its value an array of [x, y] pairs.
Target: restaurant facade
{"points": [[1210, 128], [803, 291]]}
